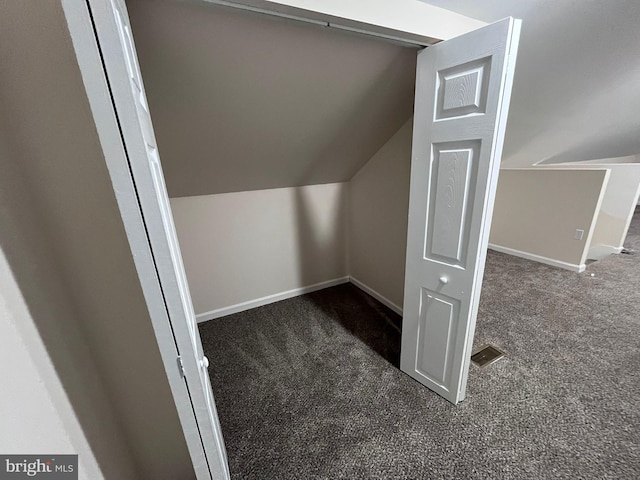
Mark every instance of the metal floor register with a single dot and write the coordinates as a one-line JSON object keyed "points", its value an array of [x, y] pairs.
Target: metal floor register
{"points": [[487, 355]]}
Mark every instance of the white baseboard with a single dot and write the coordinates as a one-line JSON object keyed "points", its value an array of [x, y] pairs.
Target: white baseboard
{"points": [[598, 252], [259, 302], [539, 258], [376, 295]]}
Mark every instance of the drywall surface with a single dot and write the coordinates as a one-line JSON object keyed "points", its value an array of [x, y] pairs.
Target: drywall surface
{"points": [[238, 247], [402, 15], [71, 257], [537, 212], [378, 209], [575, 92], [30, 419], [242, 101], [618, 205], [43, 429], [54, 399]]}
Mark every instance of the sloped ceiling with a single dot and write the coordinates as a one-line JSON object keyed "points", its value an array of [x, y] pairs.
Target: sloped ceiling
{"points": [[242, 101], [576, 93]]}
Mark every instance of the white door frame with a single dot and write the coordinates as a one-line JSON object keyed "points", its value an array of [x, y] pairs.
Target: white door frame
{"points": [[125, 180], [141, 210]]}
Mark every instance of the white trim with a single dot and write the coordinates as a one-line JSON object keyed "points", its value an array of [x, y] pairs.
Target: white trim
{"points": [[539, 258], [273, 13], [276, 297], [609, 249], [326, 21], [382, 299], [409, 23], [598, 252], [596, 214]]}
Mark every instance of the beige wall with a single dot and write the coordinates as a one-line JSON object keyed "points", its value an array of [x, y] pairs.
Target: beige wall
{"points": [[54, 397], [239, 247], [64, 240], [43, 428], [378, 209], [618, 205], [36, 415], [537, 212], [290, 104]]}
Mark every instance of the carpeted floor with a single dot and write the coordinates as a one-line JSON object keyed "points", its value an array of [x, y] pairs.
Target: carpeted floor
{"points": [[308, 388]]}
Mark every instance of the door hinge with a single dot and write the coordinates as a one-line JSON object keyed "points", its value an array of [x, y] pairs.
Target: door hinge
{"points": [[181, 366]]}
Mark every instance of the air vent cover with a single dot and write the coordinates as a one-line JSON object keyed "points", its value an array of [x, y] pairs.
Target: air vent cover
{"points": [[487, 355]]}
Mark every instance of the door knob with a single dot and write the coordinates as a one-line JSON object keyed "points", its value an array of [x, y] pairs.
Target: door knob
{"points": [[444, 280], [204, 363]]}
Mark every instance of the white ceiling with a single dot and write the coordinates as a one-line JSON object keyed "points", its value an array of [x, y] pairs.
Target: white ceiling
{"points": [[243, 101], [576, 92]]}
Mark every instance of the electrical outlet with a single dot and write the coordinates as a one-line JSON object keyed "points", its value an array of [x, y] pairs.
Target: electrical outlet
{"points": [[579, 234]]}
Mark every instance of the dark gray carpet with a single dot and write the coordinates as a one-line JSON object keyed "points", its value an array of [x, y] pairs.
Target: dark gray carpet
{"points": [[308, 388]]}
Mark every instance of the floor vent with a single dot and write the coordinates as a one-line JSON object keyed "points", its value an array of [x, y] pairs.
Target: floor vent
{"points": [[487, 355]]}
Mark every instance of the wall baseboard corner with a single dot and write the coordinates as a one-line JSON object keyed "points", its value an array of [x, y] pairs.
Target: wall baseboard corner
{"points": [[539, 258], [598, 252], [276, 297], [367, 289]]}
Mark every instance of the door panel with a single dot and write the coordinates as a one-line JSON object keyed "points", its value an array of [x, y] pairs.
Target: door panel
{"points": [[436, 324], [206, 444], [462, 95], [452, 184]]}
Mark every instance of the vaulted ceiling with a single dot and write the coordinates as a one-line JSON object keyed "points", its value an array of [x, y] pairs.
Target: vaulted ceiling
{"points": [[242, 101], [576, 90]]}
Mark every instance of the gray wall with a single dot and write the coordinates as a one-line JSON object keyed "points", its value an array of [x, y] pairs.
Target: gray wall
{"points": [[240, 247], [248, 102], [537, 212], [618, 204], [65, 243], [378, 210], [243, 246], [53, 399]]}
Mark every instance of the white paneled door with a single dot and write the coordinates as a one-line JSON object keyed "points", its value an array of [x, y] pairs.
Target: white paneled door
{"points": [[195, 403], [463, 88]]}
